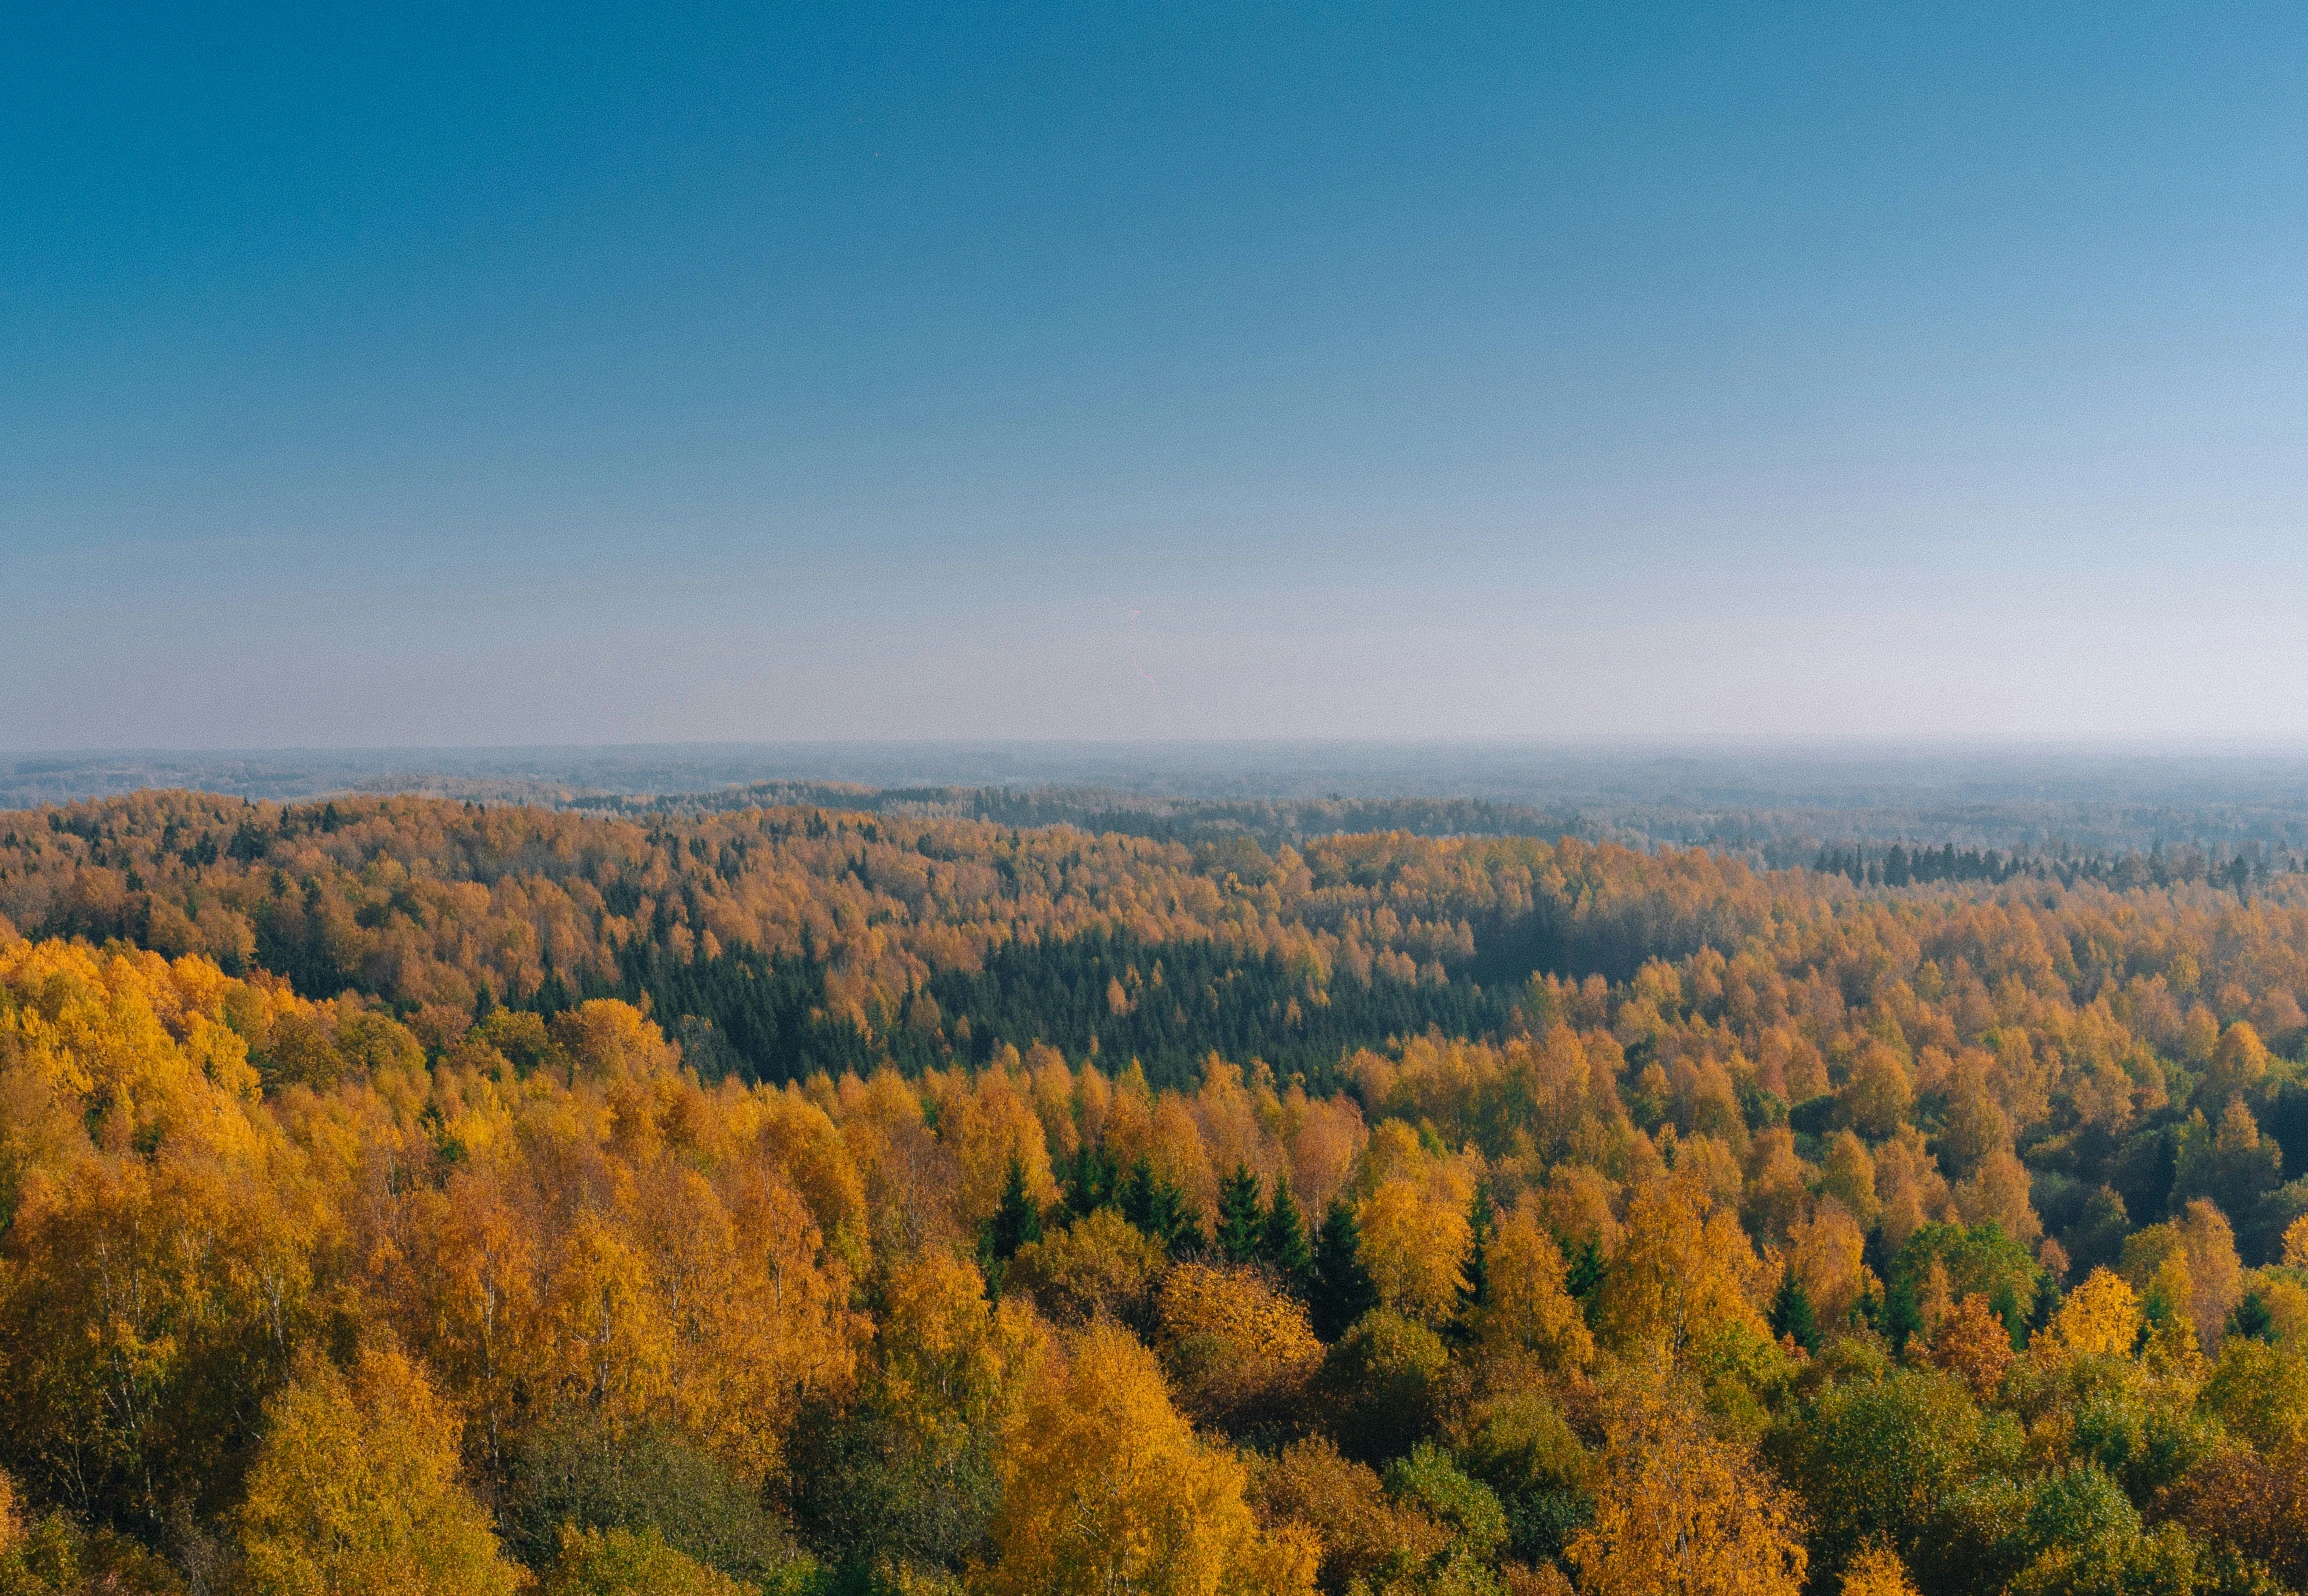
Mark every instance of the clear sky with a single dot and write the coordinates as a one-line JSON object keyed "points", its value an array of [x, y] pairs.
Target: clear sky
{"points": [[486, 374]]}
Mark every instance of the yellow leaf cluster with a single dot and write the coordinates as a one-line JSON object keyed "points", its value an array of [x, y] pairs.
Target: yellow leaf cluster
{"points": [[1232, 1340], [1684, 1266], [1681, 1512], [1877, 1571], [1107, 1488], [356, 1489], [1527, 1308], [2099, 1319]]}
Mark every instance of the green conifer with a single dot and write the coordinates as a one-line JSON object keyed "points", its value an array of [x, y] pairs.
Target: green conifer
{"points": [[1482, 1219], [1792, 1314], [1282, 1242], [1240, 1216], [1343, 1291], [1016, 1220]]}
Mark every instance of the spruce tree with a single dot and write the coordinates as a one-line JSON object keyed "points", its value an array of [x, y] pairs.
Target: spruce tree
{"points": [[1482, 1219], [1902, 1315], [2004, 1303], [1792, 1314], [1282, 1242], [1159, 1209], [1134, 1194], [1343, 1291], [2253, 1319], [1090, 1181], [1240, 1216], [1583, 1279], [1016, 1220], [1175, 1224]]}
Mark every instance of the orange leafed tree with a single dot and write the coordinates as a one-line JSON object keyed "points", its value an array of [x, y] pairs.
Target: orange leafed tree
{"points": [[1106, 1488], [1683, 1513], [356, 1488], [1527, 1308], [1683, 1267]]}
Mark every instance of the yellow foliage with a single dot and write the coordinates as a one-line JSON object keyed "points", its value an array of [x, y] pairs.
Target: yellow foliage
{"points": [[1877, 1571], [1360, 1529], [1683, 1267], [1683, 1513], [2296, 1243], [1848, 1176], [130, 1036], [1101, 1264], [1232, 1341], [605, 1040], [622, 1563], [1526, 1308], [2287, 1302], [989, 1123], [2191, 1263], [1107, 1488], [1414, 1243], [2099, 1319], [356, 1488], [1877, 1093], [1827, 1253], [947, 1357]]}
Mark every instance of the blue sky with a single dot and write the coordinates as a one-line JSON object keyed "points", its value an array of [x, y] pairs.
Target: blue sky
{"points": [[410, 375]]}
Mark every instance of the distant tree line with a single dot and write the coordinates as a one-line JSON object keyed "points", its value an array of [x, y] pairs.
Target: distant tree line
{"points": [[1902, 866]]}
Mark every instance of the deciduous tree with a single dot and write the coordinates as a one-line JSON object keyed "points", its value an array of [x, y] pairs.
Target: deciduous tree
{"points": [[356, 1488]]}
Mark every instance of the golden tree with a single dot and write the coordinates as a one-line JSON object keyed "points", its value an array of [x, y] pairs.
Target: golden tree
{"points": [[1236, 1346], [1826, 1253], [2099, 1319], [1877, 1571], [1526, 1308], [1106, 1488], [1361, 1530], [2296, 1243], [1683, 1267], [356, 1488], [1100, 1265], [2191, 1263], [1682, 1512], [620, 1562], [1971, 1343]]}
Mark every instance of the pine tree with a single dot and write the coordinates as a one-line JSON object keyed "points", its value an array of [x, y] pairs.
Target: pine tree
{"points": [[2004, 1303], [1343, 1291], [1159, 1209], [1282, 1242], [1482, 1219], [2252, 1318], [1091, 1181], [1016, 1220], [2047, 1302], [1584, 1279], [1134, 1195], [1792, 1315], [1239, 1215], [1902, 1315], [1175, 1223]]}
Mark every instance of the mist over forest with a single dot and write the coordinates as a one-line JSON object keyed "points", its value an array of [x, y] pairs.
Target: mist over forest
{"points": [[1773, 804]]}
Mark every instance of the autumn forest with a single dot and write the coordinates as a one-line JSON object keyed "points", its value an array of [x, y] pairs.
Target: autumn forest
{"points": [[420, 1196]]}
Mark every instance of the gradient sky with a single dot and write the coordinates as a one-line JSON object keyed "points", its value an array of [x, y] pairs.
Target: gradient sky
{"points": [[490, 374]]}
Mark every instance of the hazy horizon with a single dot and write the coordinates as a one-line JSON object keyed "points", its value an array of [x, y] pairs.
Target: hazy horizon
{"points": [[1954, 789]]}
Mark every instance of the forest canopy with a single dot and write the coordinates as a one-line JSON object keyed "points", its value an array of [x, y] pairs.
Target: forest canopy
{"points": [[405, 1194]]}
